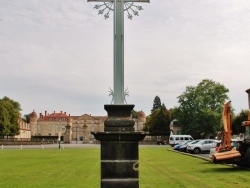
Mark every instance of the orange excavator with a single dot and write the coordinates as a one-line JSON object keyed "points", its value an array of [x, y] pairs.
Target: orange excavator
{"points": [[226, 153]]}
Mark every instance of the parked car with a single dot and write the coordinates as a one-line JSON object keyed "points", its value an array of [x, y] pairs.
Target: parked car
{"points": [[216, 144], [161, 142], [179, 139], [178, 146], [183, 147], [200, 146], [214, 147]]}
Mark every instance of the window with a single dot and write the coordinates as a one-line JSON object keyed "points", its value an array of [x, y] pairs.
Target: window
{"points": [[49, 127], [63, 128], [92, 129], [39, 127], [57, 127]]}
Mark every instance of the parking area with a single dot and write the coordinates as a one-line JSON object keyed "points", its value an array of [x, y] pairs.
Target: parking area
{"points": [[204, 155]]}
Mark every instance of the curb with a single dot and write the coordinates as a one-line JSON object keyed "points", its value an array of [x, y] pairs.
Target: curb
{"points": [[209, 160], [189, 154]]}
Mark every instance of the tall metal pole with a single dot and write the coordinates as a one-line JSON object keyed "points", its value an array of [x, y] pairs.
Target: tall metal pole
{"points": [[118, 52], [118, 92]]}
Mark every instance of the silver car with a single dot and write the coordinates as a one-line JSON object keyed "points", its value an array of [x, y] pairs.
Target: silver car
{"points": [[213, 149], [201, 146]]}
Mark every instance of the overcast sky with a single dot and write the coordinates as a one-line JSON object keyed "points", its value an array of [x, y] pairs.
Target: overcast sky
{"points": [[57, 55]]}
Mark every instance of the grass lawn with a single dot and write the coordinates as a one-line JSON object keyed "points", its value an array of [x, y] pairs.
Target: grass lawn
{"points": [[159, 168]]}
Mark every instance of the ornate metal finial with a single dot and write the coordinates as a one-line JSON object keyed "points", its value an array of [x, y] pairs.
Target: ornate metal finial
{"points": [[103, 7], [111, 93], [126, 93], [132, 7], [129, 7]]}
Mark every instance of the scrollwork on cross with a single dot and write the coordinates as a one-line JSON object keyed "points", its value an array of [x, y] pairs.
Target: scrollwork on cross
{"points": [[129, 7]]}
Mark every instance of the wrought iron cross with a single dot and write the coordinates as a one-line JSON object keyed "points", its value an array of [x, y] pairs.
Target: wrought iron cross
{"points": [[119, 93]]}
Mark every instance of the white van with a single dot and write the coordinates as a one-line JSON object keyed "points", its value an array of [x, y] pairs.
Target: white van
{"points": [[179, 139]]}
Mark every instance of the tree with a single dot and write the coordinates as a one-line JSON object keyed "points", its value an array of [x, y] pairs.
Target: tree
{"points": [[201, 107], [237, 121], [26, 118], [156, 104], [134, 114], [4, 120], [158, 122], [9, 114]]}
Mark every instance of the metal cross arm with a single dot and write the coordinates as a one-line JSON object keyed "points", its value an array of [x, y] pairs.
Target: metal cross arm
{"points": [[143, 1], [118, 94]]}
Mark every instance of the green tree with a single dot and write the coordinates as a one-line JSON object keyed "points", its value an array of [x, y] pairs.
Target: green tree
{"points": [[26, 118], [156, 104], [158, 122], [4, 120], [237, 121], [134, 114], [201, 107], [9, 114]]}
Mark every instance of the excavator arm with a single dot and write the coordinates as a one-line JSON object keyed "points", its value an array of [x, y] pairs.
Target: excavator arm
{"points": [[226, 117], [225, 151]]}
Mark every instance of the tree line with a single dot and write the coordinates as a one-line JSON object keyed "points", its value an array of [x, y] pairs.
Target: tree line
{"points": [[199, 112]]}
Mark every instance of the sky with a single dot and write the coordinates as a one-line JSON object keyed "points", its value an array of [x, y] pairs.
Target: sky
{"points": [[57, 55]]}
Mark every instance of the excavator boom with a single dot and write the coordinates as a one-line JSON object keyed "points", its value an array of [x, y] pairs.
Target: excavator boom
{"points": [[226, 151]]}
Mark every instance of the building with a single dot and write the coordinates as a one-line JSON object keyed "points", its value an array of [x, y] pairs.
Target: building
{"points": [[48, 124], [24, 130], [83, 125], [72, 129], [140, 121], [175, 127]]}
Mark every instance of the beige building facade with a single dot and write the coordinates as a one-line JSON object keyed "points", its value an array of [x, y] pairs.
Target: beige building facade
{"points": [[24, 130], [72, 129]]}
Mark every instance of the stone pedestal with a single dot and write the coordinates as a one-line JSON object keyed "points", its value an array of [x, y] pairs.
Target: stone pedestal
{"points": [[119, 149]]}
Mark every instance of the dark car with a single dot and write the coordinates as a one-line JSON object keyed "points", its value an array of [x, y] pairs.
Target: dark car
{"points": [[161, 142], [178, 146]]}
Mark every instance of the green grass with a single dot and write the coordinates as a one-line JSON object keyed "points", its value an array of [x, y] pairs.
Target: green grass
{"points": [[71, 168]]}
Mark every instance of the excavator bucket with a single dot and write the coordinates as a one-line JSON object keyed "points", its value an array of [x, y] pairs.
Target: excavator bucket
{"points": [[225, 155]]}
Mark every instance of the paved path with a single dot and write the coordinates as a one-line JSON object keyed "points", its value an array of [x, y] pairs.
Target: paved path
{"points": [[50, 146], [64, 146]]}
